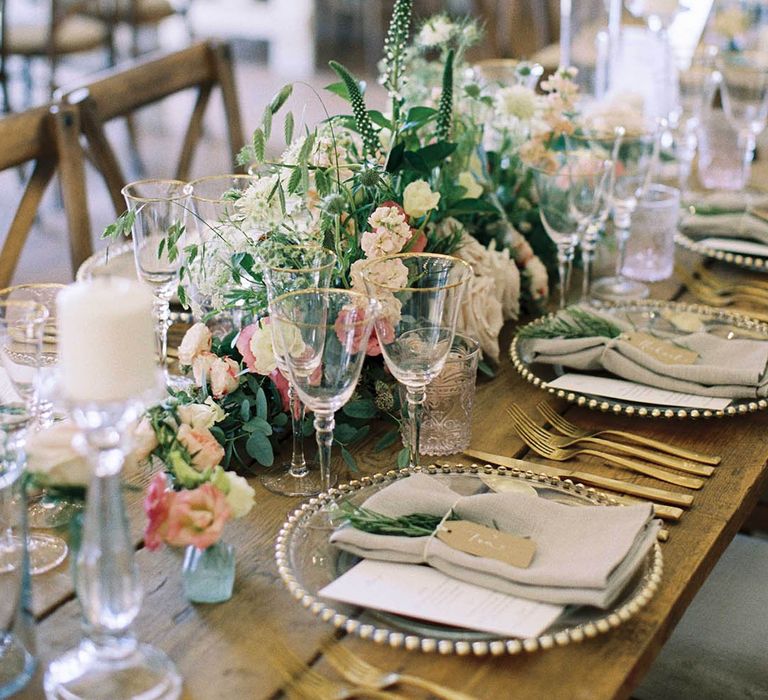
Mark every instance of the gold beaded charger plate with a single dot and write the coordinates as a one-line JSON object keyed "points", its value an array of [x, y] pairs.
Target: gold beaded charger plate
{"points": [[307, 562], [649, 315], [747, 261]]}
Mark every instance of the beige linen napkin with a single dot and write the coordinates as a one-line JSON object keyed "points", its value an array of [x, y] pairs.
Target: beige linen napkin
{"points": [[737, 225], [584, 555], [721, 201], [725, 368]]}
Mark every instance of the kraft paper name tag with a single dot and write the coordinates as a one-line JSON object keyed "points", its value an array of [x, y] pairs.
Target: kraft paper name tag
{"points": [[661, 350], [484, 542]]}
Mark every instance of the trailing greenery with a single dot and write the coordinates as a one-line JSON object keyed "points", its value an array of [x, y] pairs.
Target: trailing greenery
{"points": [[572, 323]]}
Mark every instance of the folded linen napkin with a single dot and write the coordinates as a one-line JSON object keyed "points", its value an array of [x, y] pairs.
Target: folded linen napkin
{"points": [[584, 555], [722, 201], [725, 368], [738, 225]]}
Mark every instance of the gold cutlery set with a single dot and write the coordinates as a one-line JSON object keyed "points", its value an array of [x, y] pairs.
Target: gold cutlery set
{"points": [[363, 680], [571, 440], [713, 291]]}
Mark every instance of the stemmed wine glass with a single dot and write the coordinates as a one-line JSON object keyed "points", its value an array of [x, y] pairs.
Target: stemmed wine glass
{"points": [[287, 269], [572, 205], [743, 83], [41, 512], [21, 338], [159, 208], [634, 156], [323, 335], [420, 295]]}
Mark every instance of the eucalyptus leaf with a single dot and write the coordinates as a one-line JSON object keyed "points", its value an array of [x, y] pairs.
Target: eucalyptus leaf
{"points": [[349, 460], [260, 448]]}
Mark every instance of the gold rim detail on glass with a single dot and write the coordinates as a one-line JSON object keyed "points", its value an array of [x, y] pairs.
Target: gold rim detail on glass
{"points": [[233, 177], [183, 194], [413, 641]]}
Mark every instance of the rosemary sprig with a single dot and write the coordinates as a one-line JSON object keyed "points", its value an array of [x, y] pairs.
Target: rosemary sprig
{"points": [[413, 525], [573, 323]]}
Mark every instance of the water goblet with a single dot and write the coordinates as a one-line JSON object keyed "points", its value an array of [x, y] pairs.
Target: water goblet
{"points": [[634, 155], [573, 206], [420, 295], [42, 512], [21, 338], [286, 269], [323, 336], [159, 208], [743, 83], [219, 229]]}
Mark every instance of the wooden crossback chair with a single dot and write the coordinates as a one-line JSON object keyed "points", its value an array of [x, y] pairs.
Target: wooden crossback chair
{"points": [[48, 138], [122, 92]]}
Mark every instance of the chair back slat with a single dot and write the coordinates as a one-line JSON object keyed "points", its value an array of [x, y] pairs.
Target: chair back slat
{"points": [[48, 139], [124, 91]]}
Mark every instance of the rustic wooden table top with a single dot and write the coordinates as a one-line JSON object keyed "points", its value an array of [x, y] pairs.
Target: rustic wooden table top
{"points": [[225, 650]]}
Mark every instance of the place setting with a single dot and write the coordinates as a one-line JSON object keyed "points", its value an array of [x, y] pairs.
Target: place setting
{"points": [[316, 415]]}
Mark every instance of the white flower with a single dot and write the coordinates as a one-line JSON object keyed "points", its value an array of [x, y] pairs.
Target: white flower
{"points": [[240, 497], [201, 415], [625, 110], [196, 340], [516, 101], [262, 347], [480, 315], [392, 274], [286, 339], [50, 453], [435, 32], [418, 198], [473, 188]]}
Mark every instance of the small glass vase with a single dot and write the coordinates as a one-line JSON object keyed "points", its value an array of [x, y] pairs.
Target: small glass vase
{"points": [[208, 575]]}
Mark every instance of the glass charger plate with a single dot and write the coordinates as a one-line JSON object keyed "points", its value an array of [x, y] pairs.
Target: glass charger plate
{"points": [[750, 262], [114, 261], [307, 562], [647, 315]]}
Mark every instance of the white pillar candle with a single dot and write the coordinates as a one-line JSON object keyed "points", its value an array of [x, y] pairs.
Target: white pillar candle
{"points": [[106, 340]]}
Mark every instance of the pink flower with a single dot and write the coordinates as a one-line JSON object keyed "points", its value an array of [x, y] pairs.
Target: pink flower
{"points": [[224, 376], [385, 333], [351, 329], [281, 383], [203, 447], [196, 517], [156, 506], [389, 231], [418, 243], [195, 341], [244, 345]]}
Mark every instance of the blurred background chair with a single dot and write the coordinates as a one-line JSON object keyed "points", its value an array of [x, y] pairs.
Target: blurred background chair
{"points": [[125, 91], [47, 30], [48, 139]]}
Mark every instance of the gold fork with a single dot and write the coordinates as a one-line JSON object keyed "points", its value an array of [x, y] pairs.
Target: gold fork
{"points": [[703, 293], [664, 460], [366, 675], [540, 441], [306, 683], [712, 280], [571, 430]]}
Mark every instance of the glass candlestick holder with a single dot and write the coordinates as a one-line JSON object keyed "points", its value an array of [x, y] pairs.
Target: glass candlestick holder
{"points": [[109, 662]]}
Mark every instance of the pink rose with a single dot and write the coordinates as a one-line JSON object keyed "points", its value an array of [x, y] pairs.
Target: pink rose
{"points": [[201, 367], [203, 448], [385, 333], [224, 376], [244, 345], [196, 517], [417, 244], [351, 328], [281, 383], [196, 340], [156, 506], [144, 440]]}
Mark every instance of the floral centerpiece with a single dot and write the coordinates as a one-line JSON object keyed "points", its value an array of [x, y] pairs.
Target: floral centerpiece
{"points": [[437, 171]]}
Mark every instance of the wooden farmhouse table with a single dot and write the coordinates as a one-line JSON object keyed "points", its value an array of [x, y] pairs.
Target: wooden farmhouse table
{"points": [[227, 650]]}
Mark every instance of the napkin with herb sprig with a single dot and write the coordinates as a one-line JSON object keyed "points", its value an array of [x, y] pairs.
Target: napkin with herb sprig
{"points": [[592, 340], [584, 555], [726, 215]]}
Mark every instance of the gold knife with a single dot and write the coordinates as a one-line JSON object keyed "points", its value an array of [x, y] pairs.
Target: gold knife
{"points": [[647, 492]]}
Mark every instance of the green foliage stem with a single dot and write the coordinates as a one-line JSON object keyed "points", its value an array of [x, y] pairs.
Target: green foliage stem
{"points": [[362, 119], [445, 111]]}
